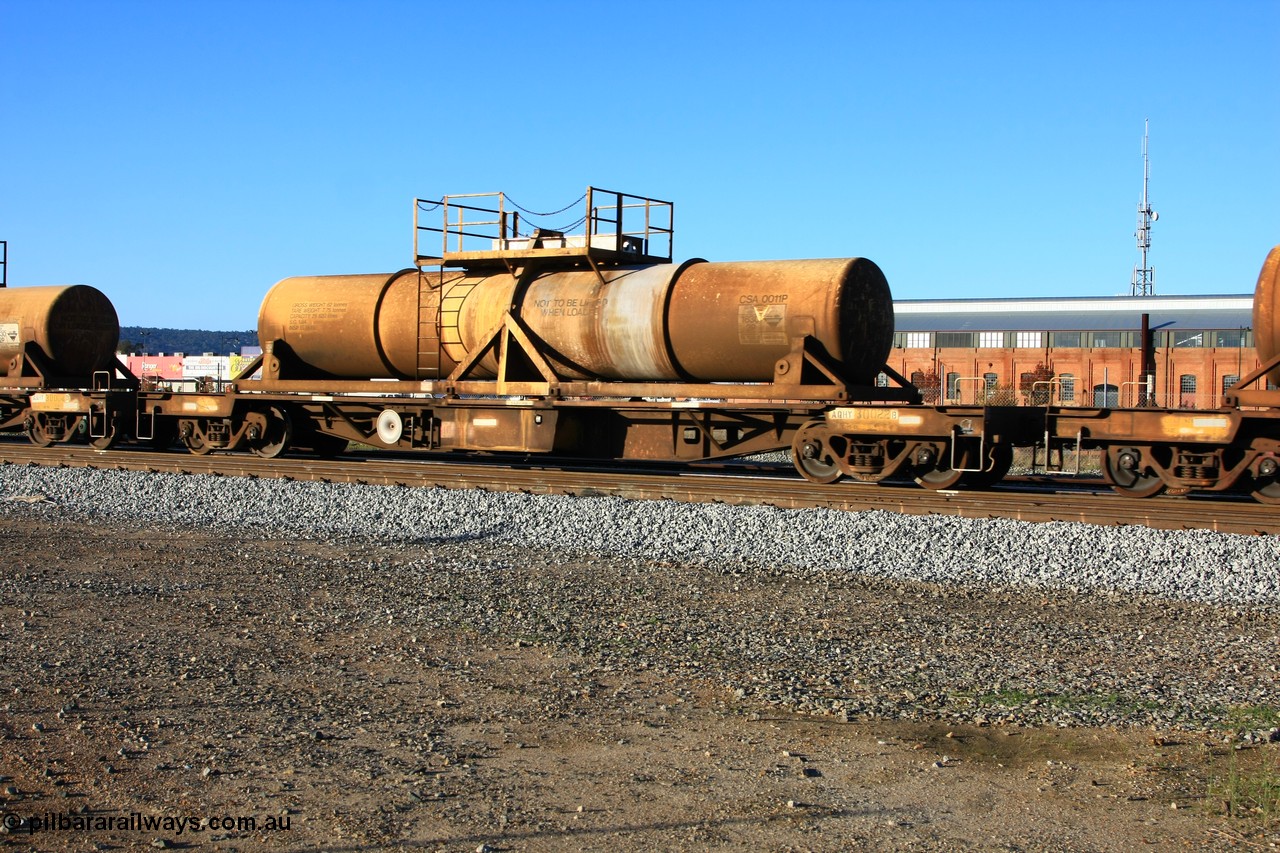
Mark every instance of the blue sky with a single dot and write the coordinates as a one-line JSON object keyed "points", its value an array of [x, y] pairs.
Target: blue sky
{"points": [[182, 157]]}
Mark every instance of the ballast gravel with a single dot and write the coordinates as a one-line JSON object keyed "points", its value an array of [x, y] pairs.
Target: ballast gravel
{"points": [[1195, 565], [847, 615]]}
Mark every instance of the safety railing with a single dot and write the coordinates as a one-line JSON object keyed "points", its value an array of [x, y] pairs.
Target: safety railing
{"points": [[613, 226], [1069, 393]]}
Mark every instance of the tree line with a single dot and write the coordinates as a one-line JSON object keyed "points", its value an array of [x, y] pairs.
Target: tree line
{"points": [[150, 340]]}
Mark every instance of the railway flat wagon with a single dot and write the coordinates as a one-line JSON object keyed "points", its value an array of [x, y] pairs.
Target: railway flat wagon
{"points": [[596, 344]]}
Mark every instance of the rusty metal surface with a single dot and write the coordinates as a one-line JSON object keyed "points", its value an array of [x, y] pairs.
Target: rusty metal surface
{"points": [[1218, 427], [74, 326], [612, 325], [1266, 311], [732, 321], [704, 322], [363, 326], [571, 393]]}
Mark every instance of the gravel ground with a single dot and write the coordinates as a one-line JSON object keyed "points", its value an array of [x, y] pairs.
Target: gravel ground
{"points": [[1041, 656], [455, 628], [817, 545]]}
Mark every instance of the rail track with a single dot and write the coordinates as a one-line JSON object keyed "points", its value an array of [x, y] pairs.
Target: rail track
{"points": [[1029, 499]]}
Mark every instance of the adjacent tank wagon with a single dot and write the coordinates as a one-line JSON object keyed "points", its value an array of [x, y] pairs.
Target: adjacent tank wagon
{"points": [[56, 333]]}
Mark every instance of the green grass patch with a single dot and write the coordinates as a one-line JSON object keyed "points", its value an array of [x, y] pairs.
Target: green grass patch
{"points": [[1017, 698], [1250, 717], [1248, 794]]}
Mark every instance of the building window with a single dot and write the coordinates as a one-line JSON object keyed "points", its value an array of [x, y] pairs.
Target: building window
{"points": [[955, 340], [1229, 380], [882, 380], [1188, 339], [918, 340], [1106, 396], [927, 383], [1187, 391], [953, 386], [1109, 339], [1067, 392], [1233, 338], [1029, 340], [991, 394], [1063, 340], [991, 340]]}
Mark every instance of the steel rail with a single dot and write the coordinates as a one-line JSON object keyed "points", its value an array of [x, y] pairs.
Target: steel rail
{"points": [[1037, 502]]}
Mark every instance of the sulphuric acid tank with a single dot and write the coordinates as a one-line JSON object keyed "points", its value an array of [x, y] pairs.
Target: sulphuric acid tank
{"points": [[696, 321], [75, 327], [1266, 311]]}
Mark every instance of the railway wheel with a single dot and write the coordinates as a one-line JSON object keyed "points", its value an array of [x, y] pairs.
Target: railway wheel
{"points": [[1267, 492], [812, 455], [1122, 467], [192, 435], [275, 439], [1266, 482], [39, 432], [939, 479], [1001, 457], [932, 467]]}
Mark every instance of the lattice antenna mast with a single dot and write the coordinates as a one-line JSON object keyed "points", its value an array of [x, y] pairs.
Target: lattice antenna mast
{"points": [[1144, 277]]}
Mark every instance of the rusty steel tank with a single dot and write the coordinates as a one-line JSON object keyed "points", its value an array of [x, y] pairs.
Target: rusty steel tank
{"points": [[1266, 311], [74, 326], [696, 321]]}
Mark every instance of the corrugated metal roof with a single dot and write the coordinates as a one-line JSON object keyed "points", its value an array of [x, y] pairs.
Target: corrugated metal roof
{"points": [[1083, 313]]}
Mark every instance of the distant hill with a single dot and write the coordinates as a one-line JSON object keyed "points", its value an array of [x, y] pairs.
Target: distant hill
{"points": [[139, 339]]}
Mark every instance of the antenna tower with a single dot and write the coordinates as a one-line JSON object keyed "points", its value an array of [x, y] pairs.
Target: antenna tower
{"points": [[1144, 277]]}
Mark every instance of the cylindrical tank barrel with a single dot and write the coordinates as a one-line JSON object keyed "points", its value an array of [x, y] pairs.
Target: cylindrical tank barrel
{"points": [[1266, 311], [696, 321], [609, 325], [733, 321], [363, 326], [75, 326]]}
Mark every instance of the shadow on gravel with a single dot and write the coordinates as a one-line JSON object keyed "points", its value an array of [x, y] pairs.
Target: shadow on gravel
{"points": [[498, 840], [452, 539]]}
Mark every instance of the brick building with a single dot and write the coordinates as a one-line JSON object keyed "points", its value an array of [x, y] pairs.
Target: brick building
{"points": [[1081, 351]]}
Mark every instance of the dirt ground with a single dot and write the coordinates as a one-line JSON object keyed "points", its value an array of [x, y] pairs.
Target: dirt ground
{"points": [[159, 682]]}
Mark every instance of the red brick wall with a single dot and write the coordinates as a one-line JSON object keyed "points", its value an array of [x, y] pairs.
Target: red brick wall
{"points": [[1089, 366]]}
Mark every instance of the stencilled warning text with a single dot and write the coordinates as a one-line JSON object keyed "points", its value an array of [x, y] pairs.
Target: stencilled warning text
{"points": [[307, 316], [762, 319]]}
